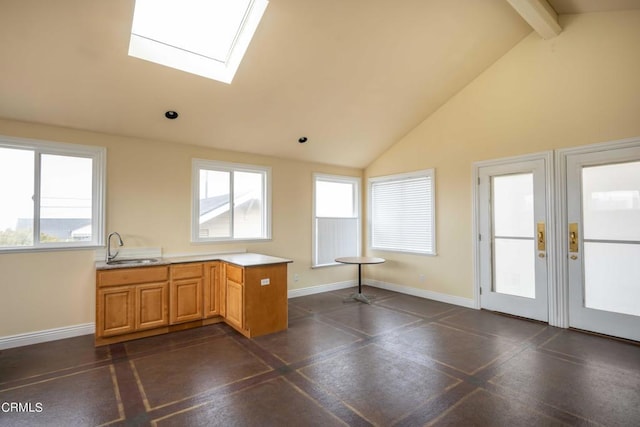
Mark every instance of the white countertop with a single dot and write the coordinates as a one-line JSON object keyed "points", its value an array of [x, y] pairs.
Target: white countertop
{"points": [[250, 259], [242, 259]]}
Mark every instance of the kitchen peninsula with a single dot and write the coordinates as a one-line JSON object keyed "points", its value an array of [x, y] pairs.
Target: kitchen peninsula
{"points": [[247, 291]]}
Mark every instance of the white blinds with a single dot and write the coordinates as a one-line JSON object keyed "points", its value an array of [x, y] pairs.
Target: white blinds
{"points": [[402, 214], [336, 226], [336, 237]]}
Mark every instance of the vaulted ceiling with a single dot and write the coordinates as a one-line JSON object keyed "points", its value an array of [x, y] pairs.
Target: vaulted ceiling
{"points": [[353, 76]]}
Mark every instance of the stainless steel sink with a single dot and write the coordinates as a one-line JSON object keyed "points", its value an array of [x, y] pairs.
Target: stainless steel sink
{"points": [[133, 261]]}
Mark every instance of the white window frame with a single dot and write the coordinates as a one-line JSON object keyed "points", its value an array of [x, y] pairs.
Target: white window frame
{"points": [[98, 157], [426, 173], [214, 165], [356, 182]]}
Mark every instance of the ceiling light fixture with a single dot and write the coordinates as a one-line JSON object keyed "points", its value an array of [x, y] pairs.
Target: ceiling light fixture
{"points": [[171, 115]]}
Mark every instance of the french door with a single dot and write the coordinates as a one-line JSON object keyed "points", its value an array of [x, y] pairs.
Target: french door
{"points": [[603, 241], [513, 200]]}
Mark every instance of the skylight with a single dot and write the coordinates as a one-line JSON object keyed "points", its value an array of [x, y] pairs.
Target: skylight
{"points": [[204, 37]]}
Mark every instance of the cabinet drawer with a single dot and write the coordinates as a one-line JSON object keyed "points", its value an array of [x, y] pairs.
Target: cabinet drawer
{"points": [[129, 276], [235, 273], [186, 271]]}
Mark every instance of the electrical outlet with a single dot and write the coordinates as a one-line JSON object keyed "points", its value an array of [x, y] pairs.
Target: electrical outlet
{"points": [[265, 282], [296, 277], [421, 278]]}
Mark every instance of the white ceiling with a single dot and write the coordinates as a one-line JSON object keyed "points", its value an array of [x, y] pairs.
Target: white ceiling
{"points": [[353, 76]]}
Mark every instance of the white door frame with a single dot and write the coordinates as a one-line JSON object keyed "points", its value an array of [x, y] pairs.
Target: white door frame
{"points": [[562, 294], [551, 243], [557, 244]]}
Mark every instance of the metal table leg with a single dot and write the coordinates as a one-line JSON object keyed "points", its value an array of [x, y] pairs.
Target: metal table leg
{"points": [[359, 296]]}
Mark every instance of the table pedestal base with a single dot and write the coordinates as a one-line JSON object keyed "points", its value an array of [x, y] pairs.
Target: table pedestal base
{"points": [[359, 297]]}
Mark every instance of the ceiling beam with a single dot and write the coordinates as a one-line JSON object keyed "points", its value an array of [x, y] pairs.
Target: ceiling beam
{"points": [[540, 15]]}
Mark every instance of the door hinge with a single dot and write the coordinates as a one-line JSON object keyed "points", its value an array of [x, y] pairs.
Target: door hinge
{"points": [[480, 291], [480, 237], [478, 180]]}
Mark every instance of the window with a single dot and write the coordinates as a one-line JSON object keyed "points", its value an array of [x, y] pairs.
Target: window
{"points": [[203, 37], [51, 195], [230, 202], [336, 229], [402, 212]]}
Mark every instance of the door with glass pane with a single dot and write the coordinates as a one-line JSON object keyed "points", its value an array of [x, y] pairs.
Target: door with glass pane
{"points": [[513, 238], [603, 241]]}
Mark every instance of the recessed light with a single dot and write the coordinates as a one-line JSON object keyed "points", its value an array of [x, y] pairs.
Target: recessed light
{"points": [[302, 139], [171, 115]]}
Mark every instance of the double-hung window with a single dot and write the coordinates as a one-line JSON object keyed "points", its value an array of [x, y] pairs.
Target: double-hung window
{"points": [[51, 195], [336, 227], [402, 215], [230, 201]]}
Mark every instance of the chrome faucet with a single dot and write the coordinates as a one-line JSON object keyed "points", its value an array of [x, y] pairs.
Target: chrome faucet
{"points": [[109, 257]]}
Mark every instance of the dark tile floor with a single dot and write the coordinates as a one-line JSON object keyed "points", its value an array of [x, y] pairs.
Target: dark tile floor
{"points": [[400, 361]]}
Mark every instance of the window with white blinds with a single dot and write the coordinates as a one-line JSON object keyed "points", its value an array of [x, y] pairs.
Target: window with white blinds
{"points": [[336, 227], [402, 212]]}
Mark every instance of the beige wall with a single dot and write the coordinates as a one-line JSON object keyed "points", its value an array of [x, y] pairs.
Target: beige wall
{"points": [[149, 203], [579, 88]]}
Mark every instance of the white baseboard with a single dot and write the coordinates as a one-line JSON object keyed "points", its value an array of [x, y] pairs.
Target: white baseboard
{"points": [[422, 293], [46, 335], [436, 296], [294, 293], [89, 328]]}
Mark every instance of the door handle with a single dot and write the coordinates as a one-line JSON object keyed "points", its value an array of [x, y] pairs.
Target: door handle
{"points": [[573, 237], [541, 237]]}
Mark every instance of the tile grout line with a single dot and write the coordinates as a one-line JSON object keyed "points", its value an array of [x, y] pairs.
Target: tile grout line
{"points": [[129, 387]]}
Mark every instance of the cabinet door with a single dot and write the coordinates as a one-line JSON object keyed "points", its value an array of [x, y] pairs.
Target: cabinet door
{"points": [[212, 289], [152, 305], [186, 300], [116, 311], [235, 304]]}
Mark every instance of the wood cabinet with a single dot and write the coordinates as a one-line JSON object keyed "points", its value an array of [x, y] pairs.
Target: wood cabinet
{"points": [[234, 284], [186, 292], [256, 298], [151, 305], [116, 313], [212, 291], [135, 302], [130, 300], [195, 291]]}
